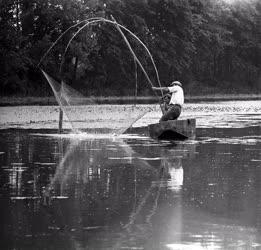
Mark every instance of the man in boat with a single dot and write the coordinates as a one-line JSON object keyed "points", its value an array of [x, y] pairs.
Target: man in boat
{"points": [[172, 101]]}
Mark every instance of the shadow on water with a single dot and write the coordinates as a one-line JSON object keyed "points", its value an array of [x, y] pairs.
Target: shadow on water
{"points": [[128, 193]]}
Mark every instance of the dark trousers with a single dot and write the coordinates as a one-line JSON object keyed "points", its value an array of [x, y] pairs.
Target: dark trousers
{"points": [[172, 113]]}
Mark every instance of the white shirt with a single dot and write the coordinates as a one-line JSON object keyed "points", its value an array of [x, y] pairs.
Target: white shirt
{"points": [[177, 96]]}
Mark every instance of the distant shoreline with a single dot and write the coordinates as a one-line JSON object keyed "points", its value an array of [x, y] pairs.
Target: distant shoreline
{"points": [[22, 101]]}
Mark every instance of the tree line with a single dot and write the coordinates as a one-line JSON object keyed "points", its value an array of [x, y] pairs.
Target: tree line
{"points": [[209, 45]]}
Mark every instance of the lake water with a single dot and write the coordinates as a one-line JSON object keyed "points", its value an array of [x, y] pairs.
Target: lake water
{"points": [[99, 191]]}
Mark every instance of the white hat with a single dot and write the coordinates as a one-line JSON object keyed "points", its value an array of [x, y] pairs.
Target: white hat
{"points": [[176, 83]]}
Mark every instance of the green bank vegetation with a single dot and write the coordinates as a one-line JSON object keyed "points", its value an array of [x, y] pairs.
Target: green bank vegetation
{"points": [[50, 100], [211, 46]]}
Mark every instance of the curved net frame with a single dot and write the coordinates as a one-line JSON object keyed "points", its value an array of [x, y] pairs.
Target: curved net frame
{"points": [[84, 113]]}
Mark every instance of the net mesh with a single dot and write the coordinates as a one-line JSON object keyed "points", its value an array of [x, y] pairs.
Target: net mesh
{"points": [[86, 114]]}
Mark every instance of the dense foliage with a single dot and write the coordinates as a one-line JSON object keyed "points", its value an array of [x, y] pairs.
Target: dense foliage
{"points": [[211, 46]]}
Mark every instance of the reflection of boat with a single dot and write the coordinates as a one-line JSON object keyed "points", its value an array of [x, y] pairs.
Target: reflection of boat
{"points": [[169, 130], [149, 149]]}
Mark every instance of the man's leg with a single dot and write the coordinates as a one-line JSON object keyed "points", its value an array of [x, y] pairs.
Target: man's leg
{"points": [[172, 114]]}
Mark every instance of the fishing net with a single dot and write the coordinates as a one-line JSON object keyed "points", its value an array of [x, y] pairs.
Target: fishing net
{"points": [[86, 114]]}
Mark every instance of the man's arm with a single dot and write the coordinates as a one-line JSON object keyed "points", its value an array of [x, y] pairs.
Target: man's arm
{"points": [[161, 88], [167, 89]]}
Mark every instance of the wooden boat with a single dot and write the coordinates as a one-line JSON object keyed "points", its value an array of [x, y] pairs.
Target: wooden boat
{"points": [[173, 129], [169, 130]]}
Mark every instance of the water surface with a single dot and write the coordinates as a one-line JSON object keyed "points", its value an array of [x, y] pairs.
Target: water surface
{"points": [[132, 192]]}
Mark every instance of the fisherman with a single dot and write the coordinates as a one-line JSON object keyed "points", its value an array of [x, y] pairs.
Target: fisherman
{"points": [[172, 101]]}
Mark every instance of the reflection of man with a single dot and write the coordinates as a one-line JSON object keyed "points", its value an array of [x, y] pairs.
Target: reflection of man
{"points": [[173, 105], [172, 170]]}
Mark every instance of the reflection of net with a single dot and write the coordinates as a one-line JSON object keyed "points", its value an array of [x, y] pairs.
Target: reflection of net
{"points": [[85, 114]]}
